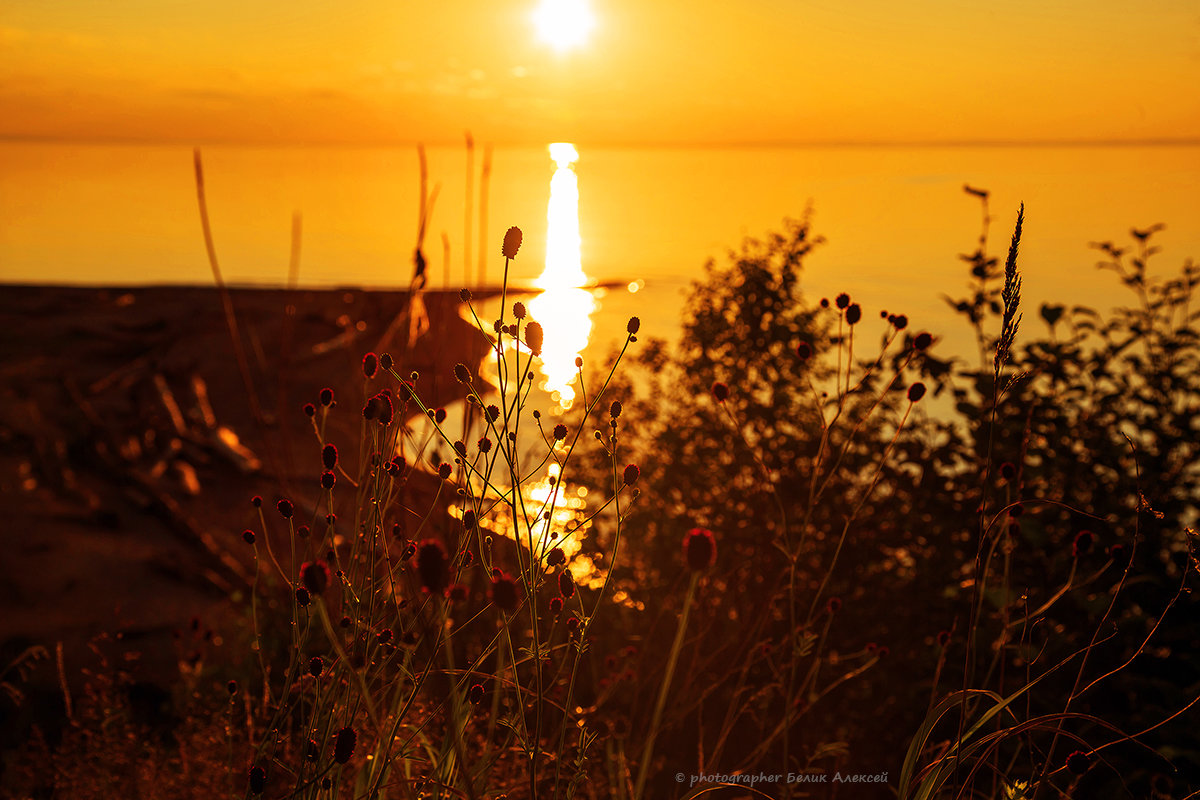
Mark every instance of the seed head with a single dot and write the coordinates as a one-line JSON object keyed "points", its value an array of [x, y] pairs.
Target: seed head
{"points": [[258, 780], [326, 397], [560, 432], [916, 392], [343, 746], [371, 409], [578, 362], [433, 566], [519, 310], [943, 638], [1008, 471], [535, 337], [256, 501], [556, 557], [634, 325], [329, 456], [315, 576], [556, 605], [475, 693], [462, 373], [232, 688], [485, 444], [328, 479], [699, 549], [303, 598], [922, 341], [824, 302], [385, 408], [385, 361], [370, 365], [310, 410], [504, 593], [1083, 543], [285, 508], [804, 351], [614, 410], [439, 416], [631, 474], [853, 314], [315, 666], [248, 536], [566, 584], [444, 470], [834, 605], [512, 242], [468, 519], [899, 321], [464, 295], [720, 391]]}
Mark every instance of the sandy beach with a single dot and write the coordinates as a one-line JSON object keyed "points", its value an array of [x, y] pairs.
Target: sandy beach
{"points": [[131, 446]]}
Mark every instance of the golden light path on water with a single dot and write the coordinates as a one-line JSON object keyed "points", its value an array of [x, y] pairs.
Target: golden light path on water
{"points": [[563, 308], [569, 517]]}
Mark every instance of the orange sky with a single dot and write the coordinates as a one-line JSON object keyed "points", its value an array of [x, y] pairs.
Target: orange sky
{"points": [[695, 72]]}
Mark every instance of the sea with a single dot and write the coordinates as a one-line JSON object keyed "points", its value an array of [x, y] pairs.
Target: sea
{"points": [[895, 219]]}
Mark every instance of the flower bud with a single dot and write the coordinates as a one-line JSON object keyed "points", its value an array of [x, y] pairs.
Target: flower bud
{"points": [[512, 242]]}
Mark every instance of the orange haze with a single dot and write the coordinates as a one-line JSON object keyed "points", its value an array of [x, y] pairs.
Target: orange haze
{"points": [[697, 72]]}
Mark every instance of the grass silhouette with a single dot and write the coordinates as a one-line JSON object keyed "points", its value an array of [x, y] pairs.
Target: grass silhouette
{"points": [[988, 602]]}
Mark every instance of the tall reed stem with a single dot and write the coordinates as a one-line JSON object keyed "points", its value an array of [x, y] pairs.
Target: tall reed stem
{"points": [[656, 720]]}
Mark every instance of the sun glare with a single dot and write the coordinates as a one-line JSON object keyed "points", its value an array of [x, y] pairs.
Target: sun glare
{"points": [[564, 23], [563, 307]]}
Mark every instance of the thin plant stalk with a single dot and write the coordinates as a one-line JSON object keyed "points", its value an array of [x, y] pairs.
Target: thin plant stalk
{"points": [[672, 660]]}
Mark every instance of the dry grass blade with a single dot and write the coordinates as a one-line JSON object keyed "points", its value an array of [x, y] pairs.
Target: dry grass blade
{"points": [[226, 299], [1011, 296]]}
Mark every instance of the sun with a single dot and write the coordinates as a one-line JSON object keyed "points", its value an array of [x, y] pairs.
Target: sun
{"points": [[564, 23]]}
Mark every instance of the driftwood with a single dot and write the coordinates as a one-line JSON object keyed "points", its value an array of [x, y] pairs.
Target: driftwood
{"points": [[218, 567]]}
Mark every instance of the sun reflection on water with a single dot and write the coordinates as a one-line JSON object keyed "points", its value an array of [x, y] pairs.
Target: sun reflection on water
{"points": [[563, 308], [567, 506], [552, 512]]}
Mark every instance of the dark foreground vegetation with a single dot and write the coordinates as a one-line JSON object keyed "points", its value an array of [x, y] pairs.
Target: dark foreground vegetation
{"points": [[836, 556]]}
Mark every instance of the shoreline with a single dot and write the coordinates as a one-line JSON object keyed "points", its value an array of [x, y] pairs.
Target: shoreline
{"points": [[133, 446]]}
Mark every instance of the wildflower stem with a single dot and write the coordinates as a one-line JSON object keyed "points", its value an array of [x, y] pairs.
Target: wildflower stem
{"points": [[672, 660]]}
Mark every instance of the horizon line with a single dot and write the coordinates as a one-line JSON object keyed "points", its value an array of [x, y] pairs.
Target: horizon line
{"points": [[600, 143]]}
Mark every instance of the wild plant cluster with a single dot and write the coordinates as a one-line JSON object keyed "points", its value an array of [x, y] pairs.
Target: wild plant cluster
{"points": [[973, 576], [789, 567]]}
